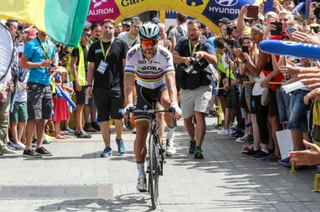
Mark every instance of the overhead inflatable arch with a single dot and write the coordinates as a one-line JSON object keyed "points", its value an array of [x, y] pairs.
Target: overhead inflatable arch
{"points": [[207, 11]]}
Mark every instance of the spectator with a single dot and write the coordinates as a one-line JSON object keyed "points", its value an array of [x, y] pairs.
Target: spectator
{"points": [[107, 60], [125, 25], [223, 22], [90, 108], [179, 31], [78, 66], [38, 56], [118, 29], [19, 116], [131, 37], [95, 33]]}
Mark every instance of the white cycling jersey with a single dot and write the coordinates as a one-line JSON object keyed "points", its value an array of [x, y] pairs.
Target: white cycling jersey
{"points": [[150, 73]]}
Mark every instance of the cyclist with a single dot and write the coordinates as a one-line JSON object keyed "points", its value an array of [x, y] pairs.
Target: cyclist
{"points": [[153, 65]]}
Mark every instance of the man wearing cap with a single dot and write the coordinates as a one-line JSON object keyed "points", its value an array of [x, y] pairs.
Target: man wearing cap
{"points": [[223, 22], [155, 20], [107, 60], [179, 31], [125, 26]]}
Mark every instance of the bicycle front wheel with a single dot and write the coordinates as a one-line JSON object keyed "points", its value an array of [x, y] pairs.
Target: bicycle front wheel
{"points": [[153, 172]]}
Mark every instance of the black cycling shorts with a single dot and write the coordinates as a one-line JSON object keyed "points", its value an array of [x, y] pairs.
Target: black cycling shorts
{"points": [[144, 98]]}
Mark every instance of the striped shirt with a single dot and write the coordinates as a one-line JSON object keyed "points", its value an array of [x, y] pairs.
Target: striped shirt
{"points": [[150, 73]]}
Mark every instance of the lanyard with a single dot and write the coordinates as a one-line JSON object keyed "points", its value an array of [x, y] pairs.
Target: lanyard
{"points": [[105, 54], [129, 41], [194, 48], [47, 47]]}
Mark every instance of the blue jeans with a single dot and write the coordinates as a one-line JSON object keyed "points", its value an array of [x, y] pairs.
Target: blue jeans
{"points": [[283, 100], [298, 117]]}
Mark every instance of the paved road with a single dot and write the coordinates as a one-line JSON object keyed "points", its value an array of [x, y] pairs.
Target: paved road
{"points": [[77, 179]]}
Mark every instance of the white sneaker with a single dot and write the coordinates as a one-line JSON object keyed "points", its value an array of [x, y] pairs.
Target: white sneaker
{"points": [[171, 147], [244, 138], [142, 183], [223, 132], [21, 145]]}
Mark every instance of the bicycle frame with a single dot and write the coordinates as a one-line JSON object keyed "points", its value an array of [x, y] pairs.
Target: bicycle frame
{"points": [[156, 158]]}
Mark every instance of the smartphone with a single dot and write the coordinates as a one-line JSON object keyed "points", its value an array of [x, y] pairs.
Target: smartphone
{"points": [[316, 4], [253, 11], [278, 29], [315, 29], [245, 49]]}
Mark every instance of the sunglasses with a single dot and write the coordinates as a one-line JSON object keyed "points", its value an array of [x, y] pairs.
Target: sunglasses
{"points": [[58, 46], [252, 20], [148, 42], [268, 16], [108, 20], [86, 34], [291, 30]]}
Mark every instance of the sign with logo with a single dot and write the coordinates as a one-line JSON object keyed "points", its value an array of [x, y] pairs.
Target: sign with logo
{"points": [[207, 11], [102, 9]]}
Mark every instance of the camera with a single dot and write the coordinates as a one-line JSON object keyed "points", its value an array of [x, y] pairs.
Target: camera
{"points": [[65, 53], [194, 65], [20, 27], [229, 29]]}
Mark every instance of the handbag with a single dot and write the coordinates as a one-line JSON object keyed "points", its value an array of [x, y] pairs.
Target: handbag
{"points": [[315, 120], [265, 97]]}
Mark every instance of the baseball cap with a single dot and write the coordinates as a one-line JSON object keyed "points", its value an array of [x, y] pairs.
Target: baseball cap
{"points": [[126, 23], [30, 33], [224, 20], [155, 20]]}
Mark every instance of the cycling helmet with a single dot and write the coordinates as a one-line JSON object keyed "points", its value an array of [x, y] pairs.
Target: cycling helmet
{"points": [[149, 31]]}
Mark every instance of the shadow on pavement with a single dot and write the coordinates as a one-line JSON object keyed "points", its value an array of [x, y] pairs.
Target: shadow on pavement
{"points": [[126, 202]]}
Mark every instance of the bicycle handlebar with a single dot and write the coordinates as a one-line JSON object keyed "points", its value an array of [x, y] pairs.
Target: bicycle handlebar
{"points": [[146, 112]]}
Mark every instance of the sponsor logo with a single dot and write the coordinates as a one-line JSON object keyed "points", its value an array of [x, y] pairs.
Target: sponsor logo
{"points": [[98, 51], [152, 69], [97, 3], [165, 55], [126, 3], [290, 43], [142, 61], [224, 10], [131, 53], [101, 11], [193, 3], [227, 3]]}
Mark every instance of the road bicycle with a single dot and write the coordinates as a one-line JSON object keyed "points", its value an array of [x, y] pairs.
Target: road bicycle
{"points": [[155, 156]]}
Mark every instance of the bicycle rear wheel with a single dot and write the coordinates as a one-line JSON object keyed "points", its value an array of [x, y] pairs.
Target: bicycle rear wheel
{"points": [[153, 172]]}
